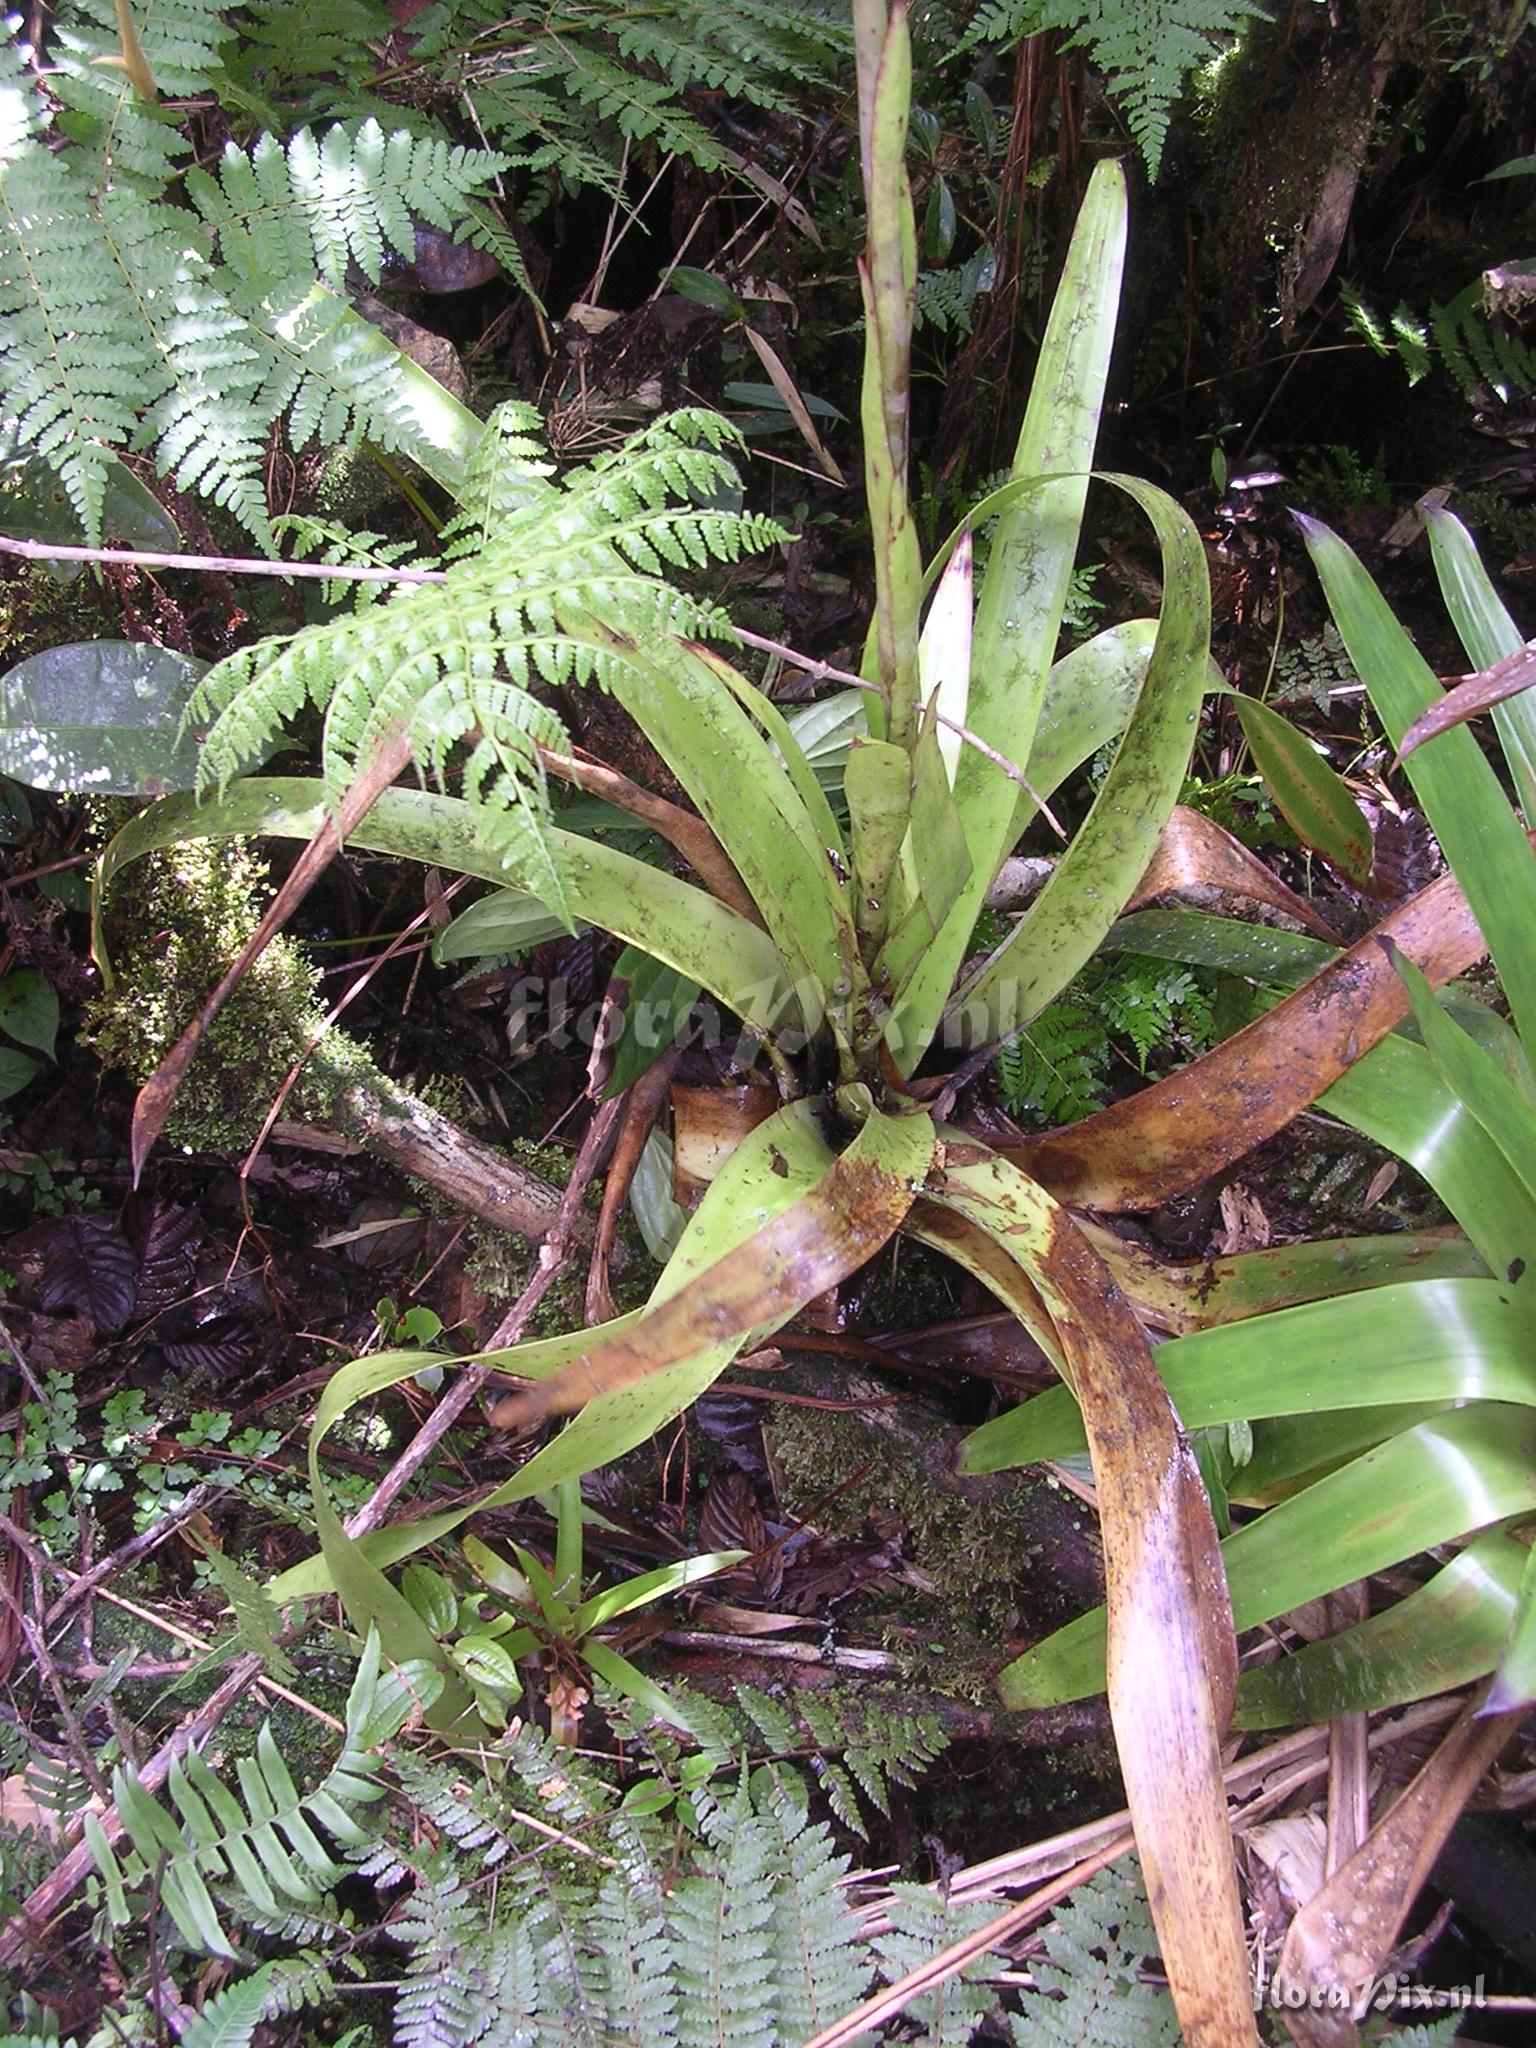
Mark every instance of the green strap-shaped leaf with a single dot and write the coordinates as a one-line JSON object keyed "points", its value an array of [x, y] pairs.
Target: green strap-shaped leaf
{"points": [[1418, 1341], [1019, 606], [1475, 1080], [1447, 1633], [752, 806], [1450, 1475], [1482, 839], [1514, 1683], [1488, 633], [1396, 1096], [1065, 925], [1313, 797], [666, 916], [776, 1166]]}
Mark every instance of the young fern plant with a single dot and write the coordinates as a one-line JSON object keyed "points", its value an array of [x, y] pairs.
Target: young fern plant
{"points": [[544, 584]]}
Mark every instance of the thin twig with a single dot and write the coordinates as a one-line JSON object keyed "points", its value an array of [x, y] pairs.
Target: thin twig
{"points": [[128, 1553], [229, 565]]}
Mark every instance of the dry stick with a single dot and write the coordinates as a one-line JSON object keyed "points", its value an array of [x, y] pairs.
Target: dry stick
{"points": [[643, 1102], [29, 1926], [231, 565], [939, 1969]]}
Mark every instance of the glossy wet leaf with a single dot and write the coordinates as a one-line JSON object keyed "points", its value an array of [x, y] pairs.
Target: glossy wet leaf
{"points": [[100, 717], [1488, 634], [1475, 1080], [1397, 1096], [1514, 1683], [1417, 1341], [1313, 798], [1482, 839]]}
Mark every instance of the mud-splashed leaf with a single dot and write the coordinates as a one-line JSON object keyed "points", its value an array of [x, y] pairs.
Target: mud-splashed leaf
{"points": [[799, 1253], [1172, 1656], [1344, 1935]]}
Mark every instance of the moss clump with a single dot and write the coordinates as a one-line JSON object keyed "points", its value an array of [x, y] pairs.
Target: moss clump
{"points": [[181, 915], [985, 1545]]}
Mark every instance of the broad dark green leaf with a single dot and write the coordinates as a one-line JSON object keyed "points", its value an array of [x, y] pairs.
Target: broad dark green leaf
{"points": [[100, 718], [29, 1009], [1313, 797]]}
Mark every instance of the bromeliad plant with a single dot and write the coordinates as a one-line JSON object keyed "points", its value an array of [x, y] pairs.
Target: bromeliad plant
{"points": [[842, 949], [1386, 1422]]}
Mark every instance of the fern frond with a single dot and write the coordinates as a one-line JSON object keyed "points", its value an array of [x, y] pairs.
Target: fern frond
{"points": [[444, 1999], [923, 1922], [569, 590], [72, 357], [1055, 1069], [1089, 1991], [819, 1968], [721, 1922], [229, 2018], [347, 197], [264, 1840], [21, 111], [305, 48], [1145, 48], [183, 43]]}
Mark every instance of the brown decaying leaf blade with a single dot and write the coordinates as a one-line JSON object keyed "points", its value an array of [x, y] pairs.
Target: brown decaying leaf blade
{"points": [[1468, 695], [1183, 1129], [1196, 852], [800, 1253], [159, 1091], [1172, 1653], [1343, 1936]]}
